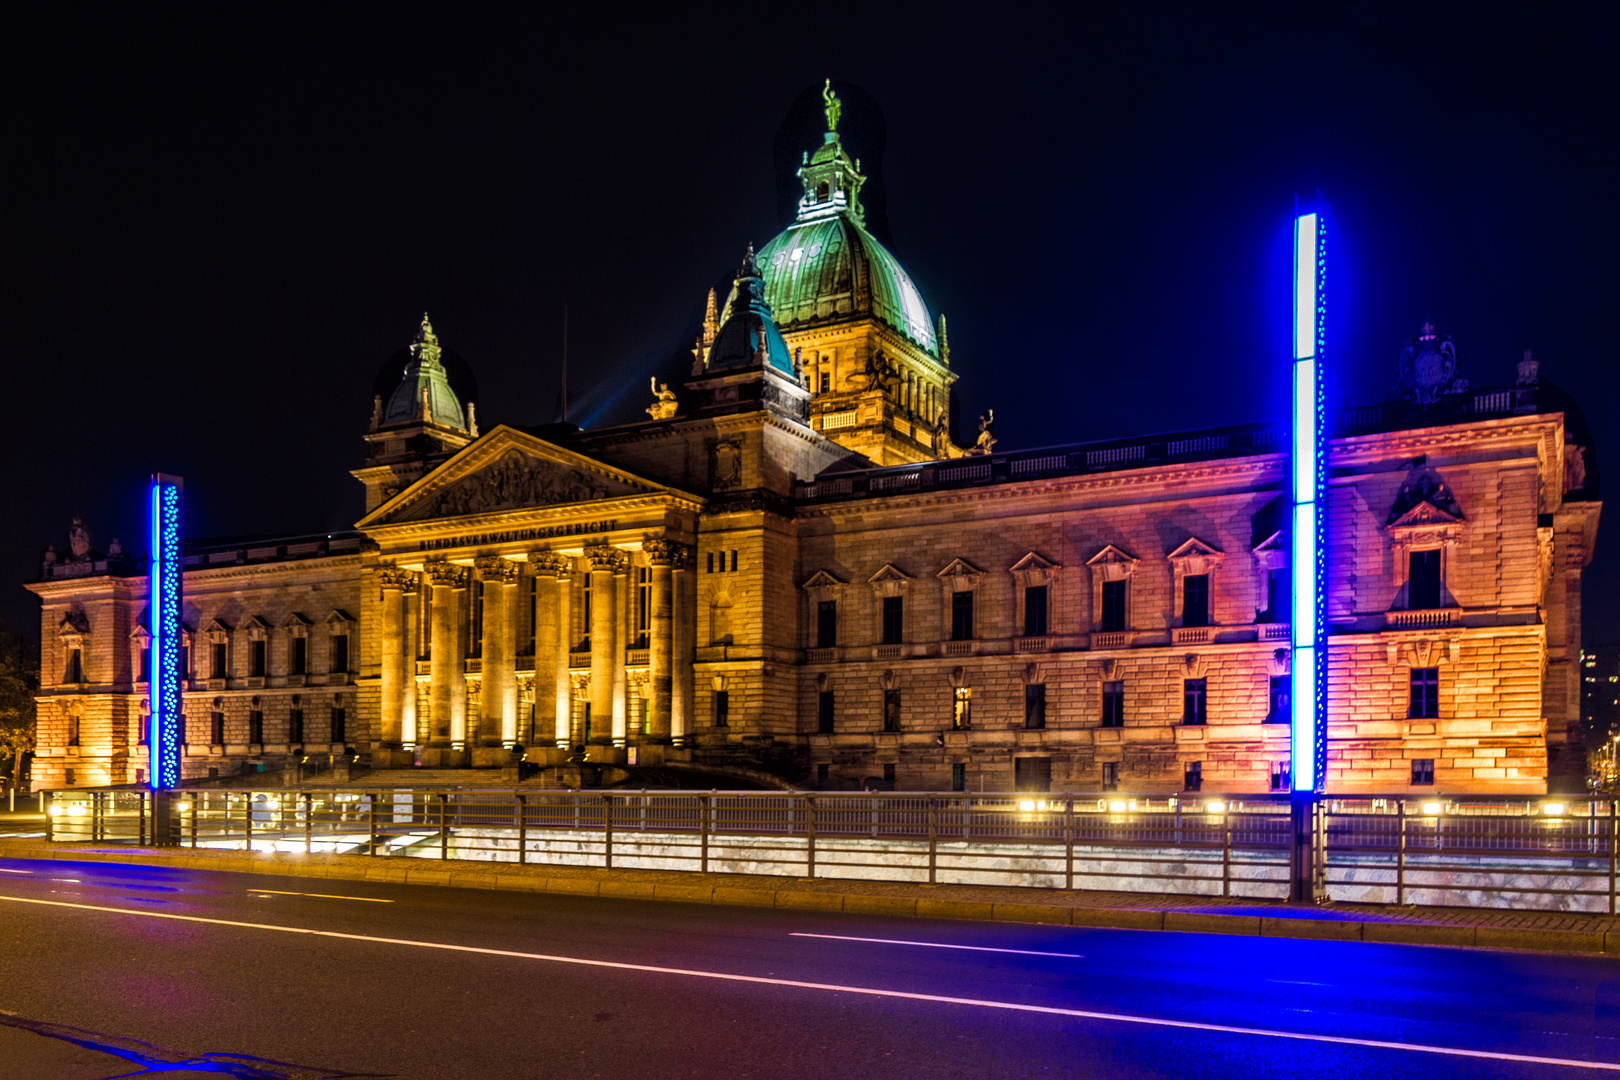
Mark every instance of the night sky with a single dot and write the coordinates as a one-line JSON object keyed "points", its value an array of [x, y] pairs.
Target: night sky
{"points": [[218, 225]]}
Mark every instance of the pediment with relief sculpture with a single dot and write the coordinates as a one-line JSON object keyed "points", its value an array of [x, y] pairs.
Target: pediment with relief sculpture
{"points": [[507, 470]]}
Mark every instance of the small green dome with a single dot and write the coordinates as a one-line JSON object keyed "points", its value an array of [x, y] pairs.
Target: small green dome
{"points": [[747, 332], [424, 394]]}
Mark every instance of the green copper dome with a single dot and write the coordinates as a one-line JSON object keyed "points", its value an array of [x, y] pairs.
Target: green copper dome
{"points": [[424, 393], [748, 336], [826, 267]]}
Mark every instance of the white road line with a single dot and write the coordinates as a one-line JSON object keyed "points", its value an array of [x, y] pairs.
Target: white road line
{"points": [[3, 870], [866, 991], [942, 945], [322, 895]]}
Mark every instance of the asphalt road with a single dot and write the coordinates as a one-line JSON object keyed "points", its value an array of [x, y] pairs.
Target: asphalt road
{"points": [[107, 970]]}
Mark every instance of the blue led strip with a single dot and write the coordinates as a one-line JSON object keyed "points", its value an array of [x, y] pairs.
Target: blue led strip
{"points": [[1308, 485], [163, 740]]}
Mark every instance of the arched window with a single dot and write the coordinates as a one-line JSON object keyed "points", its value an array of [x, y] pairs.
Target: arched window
{"points": [[821, 192]]}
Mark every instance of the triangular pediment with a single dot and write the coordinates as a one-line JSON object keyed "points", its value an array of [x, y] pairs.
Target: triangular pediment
{"points": [[1277, 541], [214, 626], [255, 623], [960, 568], [1194, 548], [338, 617], [293, 620], [508, 469], [1033, 561], [1111, 555], [889, 573], [822, 580], [1425, 513]]}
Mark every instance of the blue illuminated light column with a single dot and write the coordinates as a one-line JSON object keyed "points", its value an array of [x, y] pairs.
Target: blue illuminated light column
{"points": [[163, 739], [1308, 486]]}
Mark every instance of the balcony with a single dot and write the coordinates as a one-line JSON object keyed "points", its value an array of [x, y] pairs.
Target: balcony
{"points": [[961, 648], [1112, 639], [821, 656], [579, 658], [1192, 635], [888, 652], [637, 657], [1276, 631], [1422, 619], [1031, 644]]}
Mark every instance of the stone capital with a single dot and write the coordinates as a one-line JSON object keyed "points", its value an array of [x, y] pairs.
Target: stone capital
{"points": [[661, 552], [607, 557], [493, 568], [446, 573], [551, 564]]}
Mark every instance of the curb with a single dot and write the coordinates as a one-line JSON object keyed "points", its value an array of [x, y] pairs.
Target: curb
{"points": [[1586, 942]]}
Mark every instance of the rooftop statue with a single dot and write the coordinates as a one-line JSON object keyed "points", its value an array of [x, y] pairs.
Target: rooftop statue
{"points": [[834, 107], [665, 406]]}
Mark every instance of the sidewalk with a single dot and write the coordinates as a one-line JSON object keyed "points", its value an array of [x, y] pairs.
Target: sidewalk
{"points": [[1540, 931]]}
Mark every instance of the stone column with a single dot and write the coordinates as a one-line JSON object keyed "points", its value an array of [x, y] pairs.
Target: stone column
{"points": [[411, 728], [499, 722], [449, 721], [398, 673], [661, 643], [623, 606], [683, 595], [553, 629], [604, 561]]}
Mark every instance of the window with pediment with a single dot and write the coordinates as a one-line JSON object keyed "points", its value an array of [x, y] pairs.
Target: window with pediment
{"points": [[823, 592], [960, 581], [889, 586], [1111, 571], [1034, 577], [1193, 566], [1425, 524]]}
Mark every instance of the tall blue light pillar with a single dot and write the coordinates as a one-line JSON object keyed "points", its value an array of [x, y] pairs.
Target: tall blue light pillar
{"points": [[1308, 490], [164, 679]]}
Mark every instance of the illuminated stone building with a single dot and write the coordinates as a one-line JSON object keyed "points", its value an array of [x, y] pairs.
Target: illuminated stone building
{"points": [[789, 566]]}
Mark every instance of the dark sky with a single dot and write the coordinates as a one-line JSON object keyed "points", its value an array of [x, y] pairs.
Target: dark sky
{"points": [[218, 224]]}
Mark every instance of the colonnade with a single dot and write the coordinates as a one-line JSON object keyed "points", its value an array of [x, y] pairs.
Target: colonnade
{"points": [[561, 691]]}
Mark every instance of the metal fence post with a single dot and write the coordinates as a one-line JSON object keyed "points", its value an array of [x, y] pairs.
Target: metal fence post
{"points": [[1226, 852], [247, 830], [1400, 852], [140, 824], [1068, 843], [195, 801], [444, 825], [607, 832], [933, 840], [371, 822], [810, 835], [48, 797], [703, 833], [309, 815], [1612, 837], [523, 830]]}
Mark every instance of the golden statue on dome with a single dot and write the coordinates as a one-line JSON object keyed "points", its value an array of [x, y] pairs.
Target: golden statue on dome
{"points": [[834, 107]]}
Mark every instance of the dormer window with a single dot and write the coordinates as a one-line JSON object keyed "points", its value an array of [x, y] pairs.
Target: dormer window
{"points": [[821, 192]]}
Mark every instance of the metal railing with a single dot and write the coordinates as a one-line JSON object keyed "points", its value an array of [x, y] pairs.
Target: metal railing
{"points": [[1540, 853]]}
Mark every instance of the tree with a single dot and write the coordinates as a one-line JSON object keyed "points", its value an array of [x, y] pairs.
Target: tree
{"points": [[19, 681]]}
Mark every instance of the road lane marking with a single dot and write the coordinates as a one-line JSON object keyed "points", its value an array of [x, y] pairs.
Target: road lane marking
{"points": [[322, 895], [864, 991], [3, 870], [942, 945]]}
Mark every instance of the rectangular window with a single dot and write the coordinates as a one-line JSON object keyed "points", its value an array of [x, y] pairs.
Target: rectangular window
{"points": [[340, 724], [711, 562], [1113, 606], [75, 666], [888, 772], [255, 726], [340, 653], [894, 619], [475, 621], [144, 674], [824, 713], [722, 708], [1195, 600], [646, 717], [1035, 611], [1278, 705], [295, 726], [1425, 694], [1113, 703], [256, 659], [298, 656], [891, 710], [823, 774], [1193, 701], [1281, 775], [826, 382], [1277, 587], [216, 661], [1193, 778], [73, 731], [1423, 590], [534, 613], [1035, 706], [959, 776], [1422, 771], [216, 728], [961, 616], [734, 560], [585, 602], [826, 624], [961, 709], [1032, 774], [1110, 776], [643, 604]]}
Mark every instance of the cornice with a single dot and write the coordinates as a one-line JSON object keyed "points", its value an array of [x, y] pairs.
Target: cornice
{"points": [[519, 517]]}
